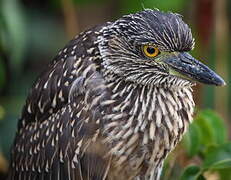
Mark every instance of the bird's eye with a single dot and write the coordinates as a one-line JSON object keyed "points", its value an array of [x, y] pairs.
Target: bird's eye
{"points": [[150, 51]]}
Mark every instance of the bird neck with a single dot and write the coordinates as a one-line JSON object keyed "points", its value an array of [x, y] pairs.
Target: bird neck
{"points": [[169, 108], [146, 117]]}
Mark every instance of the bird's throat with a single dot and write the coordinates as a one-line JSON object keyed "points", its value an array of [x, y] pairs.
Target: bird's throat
{"points": [[144, 123]]}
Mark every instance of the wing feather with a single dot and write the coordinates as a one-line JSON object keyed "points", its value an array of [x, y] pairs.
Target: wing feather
{"points": [[56, 130]]}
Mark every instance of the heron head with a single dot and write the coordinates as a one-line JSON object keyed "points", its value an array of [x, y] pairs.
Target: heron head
{"points": [[152, 47]]}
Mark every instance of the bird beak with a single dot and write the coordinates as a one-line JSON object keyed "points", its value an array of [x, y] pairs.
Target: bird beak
{"points": [[190, 68]]}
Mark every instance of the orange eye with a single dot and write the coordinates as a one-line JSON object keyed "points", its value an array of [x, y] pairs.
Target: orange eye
{"points": [[150, 51]]}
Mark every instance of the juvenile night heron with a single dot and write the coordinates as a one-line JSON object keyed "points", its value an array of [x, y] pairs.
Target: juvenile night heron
{"points": [[112, 104]]}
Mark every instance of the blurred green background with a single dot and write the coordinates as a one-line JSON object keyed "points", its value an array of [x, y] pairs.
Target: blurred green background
{"points": [[32, 32]]}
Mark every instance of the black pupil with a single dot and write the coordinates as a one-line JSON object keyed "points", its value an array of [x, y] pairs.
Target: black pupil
{"points": [[151, 50]]}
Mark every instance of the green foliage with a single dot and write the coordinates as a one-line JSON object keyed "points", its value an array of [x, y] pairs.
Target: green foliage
{"points": [[2, 73], [208, 129], [218, 157], [214, 127], [193, 140], [192, 173], [207, 139], [2, 112], [164, 5], [88, 1], [14, 33]]}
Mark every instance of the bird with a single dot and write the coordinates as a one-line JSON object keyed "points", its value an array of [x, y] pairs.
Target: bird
{"points": [[113, 103]]}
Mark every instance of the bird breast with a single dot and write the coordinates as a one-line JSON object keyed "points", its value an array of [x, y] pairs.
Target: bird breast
{"points": [[144, 124]]}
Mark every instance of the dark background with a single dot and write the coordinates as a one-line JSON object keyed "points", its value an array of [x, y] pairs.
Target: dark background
{"points": [[32, 32]]}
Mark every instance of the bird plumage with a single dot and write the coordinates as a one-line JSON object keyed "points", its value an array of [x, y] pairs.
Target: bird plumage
{"points": [[101, 109]]}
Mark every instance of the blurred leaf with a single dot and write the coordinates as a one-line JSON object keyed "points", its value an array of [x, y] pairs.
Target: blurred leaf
{"points": [[212, 128], [192, 140], [131, 6], [2, 73], [16, 37], [225, 173], [218, 157], [219, 128], [42, 39], [222, 164], [12, 106], [166, 5], [2, 67], [2, 112], [3, 164], [87, 1], [192, 173]]}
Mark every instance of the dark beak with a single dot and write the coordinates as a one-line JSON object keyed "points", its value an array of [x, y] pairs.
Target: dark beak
{"points": [[186, 65]]}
